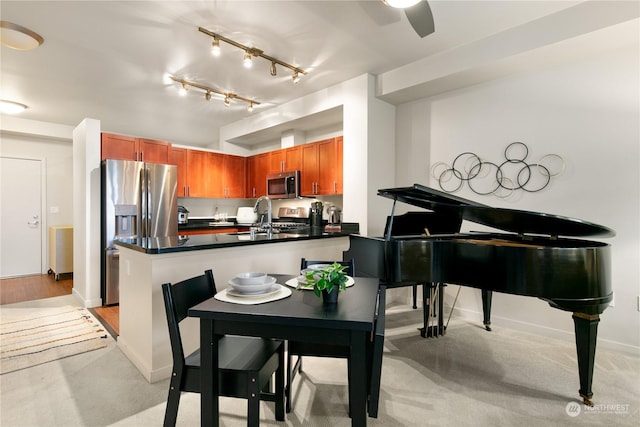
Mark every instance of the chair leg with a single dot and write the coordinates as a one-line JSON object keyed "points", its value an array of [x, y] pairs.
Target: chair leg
{"points": [[253, 401], [415, 297], [280, 392], [173, 400], [289, 379]]}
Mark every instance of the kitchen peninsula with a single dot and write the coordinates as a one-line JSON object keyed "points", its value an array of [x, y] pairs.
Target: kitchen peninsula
{"points": [[145, 264]]}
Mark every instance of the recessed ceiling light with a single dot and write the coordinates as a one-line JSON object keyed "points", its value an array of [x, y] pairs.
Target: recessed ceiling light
{"points": [[18, 37], [401, 4], [10, 107]]}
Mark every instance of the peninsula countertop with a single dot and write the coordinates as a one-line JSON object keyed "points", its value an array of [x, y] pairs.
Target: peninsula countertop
{"points": [[162, 245]]}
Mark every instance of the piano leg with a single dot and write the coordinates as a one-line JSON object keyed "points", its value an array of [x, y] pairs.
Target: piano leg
{"points": [[486, 308], [432, 294], [586, 327]]}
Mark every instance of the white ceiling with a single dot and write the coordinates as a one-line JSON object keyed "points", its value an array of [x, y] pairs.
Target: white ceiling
{"points": [[109, 60]]}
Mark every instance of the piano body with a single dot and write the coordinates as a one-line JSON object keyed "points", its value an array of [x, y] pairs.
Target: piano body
{"points": [[531, 259]]}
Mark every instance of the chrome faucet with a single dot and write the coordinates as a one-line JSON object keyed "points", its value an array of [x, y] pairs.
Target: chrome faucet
{"points": [[269, 219]]}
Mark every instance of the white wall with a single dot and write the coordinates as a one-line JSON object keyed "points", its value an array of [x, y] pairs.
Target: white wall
{"points": [[588, 112], [47, 143]]}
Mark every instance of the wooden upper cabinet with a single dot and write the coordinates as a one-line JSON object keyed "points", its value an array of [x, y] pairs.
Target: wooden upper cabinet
{"points": [[276, 161], [130, 148], [292, 159], [178, 157], [234, 176], [197, 162], [339, 165], [214, 175], [118, 147], [257, 170], [321, 172], [153, 151]]}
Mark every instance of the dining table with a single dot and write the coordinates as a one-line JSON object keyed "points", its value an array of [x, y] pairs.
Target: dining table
{"points": [[301, 316]]}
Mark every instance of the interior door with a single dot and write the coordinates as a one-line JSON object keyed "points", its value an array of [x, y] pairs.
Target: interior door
{"points": [[20, 217]]}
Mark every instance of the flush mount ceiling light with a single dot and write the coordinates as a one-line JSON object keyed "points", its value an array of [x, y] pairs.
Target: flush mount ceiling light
{"points": [[18, 37], [251, 52], [11, 107], [208, 91], [401, 4]]}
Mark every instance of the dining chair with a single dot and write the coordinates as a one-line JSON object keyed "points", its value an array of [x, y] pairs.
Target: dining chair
{"points": [[246, 364], [374, 348]]}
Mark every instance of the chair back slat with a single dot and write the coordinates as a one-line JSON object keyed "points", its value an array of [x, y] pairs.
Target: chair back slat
{"points": [[351, 270]]}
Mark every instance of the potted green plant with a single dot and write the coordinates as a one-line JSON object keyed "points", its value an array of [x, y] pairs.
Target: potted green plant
{"points": [[328, 281]]}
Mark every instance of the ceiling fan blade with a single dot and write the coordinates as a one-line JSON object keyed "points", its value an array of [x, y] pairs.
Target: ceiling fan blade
{"points": [[421, 18]]}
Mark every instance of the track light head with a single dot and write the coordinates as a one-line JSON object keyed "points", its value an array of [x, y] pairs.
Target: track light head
{"points": [[295, 77], [248, 61], [273, 70], [250, 107], [215, 47], [227, 101], [183, 89], [207, 95]]}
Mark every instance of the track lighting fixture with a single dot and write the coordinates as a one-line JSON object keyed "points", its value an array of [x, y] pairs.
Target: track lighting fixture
{"points": [[253, 51], [208, 91]]}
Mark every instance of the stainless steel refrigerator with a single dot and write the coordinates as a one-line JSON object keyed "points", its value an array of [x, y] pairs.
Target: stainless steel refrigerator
{"points": [[138, 200]]}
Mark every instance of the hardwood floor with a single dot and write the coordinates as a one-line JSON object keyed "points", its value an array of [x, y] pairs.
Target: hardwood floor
{"points": [[28, 288]]}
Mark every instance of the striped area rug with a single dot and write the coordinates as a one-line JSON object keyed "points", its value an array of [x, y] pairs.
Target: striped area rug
{"points": [[47, 334]]}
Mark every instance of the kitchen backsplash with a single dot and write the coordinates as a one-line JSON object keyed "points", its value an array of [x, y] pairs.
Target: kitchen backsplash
{"points": [[208, 208]]}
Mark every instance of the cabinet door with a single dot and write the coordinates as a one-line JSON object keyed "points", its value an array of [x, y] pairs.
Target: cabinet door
{"points": [[276, 161], [196, 173], [178, 157], [309, 170], [293, 159], [327, 167], [214, 175], [153, 151], [258, 167], [339, 165], [118, 147], [234, 176]]}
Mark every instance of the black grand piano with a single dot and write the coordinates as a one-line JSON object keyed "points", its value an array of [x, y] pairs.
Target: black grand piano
{"points": [[532, 259]]}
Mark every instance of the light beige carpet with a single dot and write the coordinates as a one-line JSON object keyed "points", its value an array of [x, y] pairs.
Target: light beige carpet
{"points": [[31, 337]]}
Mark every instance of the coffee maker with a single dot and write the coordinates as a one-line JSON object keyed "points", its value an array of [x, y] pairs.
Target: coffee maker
{"points": [[315, 214]]}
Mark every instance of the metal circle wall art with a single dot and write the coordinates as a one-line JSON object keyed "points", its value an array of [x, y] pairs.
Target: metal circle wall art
{"points": [[500, 179]]}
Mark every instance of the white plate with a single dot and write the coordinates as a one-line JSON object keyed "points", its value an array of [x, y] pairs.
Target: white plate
{"points": [[300, 282], [252, 289], [274, 288]]}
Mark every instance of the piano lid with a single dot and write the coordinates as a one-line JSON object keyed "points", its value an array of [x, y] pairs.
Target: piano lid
{"points": [[515, 221]]}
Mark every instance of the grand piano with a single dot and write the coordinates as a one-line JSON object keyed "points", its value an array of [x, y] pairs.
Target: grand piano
{"points": [[530, 259]]}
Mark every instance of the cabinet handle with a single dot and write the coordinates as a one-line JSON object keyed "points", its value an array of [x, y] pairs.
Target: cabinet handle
{"points": [[142, 156], [335, 187]]}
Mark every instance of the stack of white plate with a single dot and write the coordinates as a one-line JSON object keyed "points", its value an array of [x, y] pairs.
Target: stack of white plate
{"points": [[252, 284]]}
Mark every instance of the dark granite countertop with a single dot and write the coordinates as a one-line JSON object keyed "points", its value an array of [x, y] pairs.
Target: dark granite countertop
{"points": [[162, 245]]}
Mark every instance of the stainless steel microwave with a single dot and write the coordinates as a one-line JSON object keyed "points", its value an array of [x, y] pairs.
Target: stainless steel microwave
{"points": [[284, 185]]}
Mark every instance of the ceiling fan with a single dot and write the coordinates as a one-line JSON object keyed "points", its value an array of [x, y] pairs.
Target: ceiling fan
{"points": [[418, 13]]}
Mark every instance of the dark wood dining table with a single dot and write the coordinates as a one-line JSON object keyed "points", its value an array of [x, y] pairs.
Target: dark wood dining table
{"points": [[301, 317]]}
